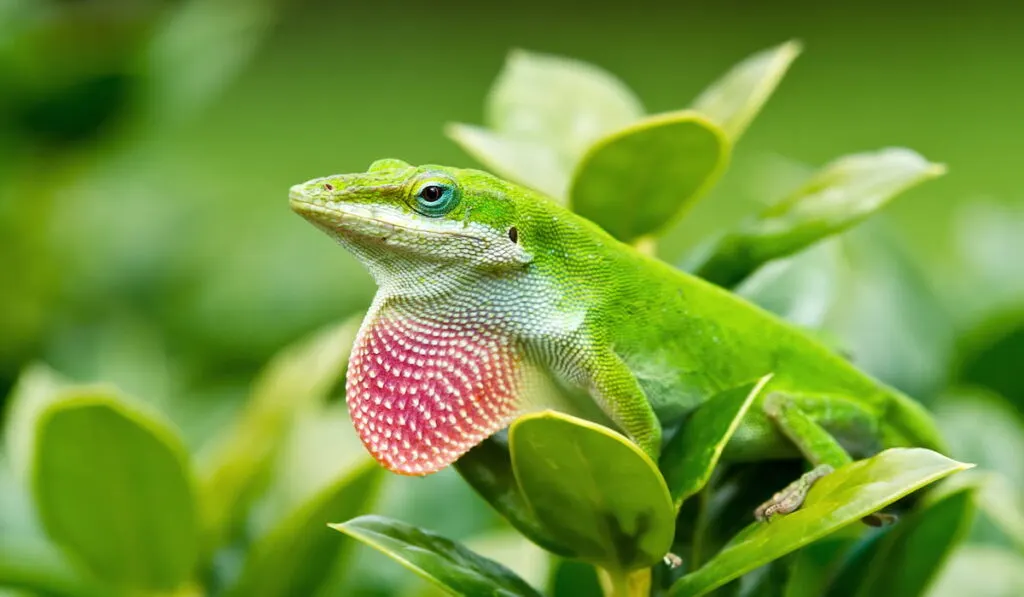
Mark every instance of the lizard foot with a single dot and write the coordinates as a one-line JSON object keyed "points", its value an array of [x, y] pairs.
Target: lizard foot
{"points": [[792, 496]]}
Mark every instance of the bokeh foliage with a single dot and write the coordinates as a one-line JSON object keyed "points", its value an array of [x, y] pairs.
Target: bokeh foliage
{"points": [[147, 257]]}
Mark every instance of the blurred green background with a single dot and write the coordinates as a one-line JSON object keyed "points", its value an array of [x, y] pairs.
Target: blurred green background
{"points": [[146, 149]]}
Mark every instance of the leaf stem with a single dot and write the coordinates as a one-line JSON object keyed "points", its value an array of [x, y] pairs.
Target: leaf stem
{"points": [[621, 583]]}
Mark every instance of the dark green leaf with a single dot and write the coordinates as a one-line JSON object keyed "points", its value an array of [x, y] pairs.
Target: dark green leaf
{"points": [[638, 180], [443, 562], [907, 560], [841, 498], [572, 473], [571, 578], [113, 486], [735, 99], [690, 457], [837, 197], [299, 552]]}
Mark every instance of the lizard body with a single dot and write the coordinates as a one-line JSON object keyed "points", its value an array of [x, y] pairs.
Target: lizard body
{"points": [[486, 289]]}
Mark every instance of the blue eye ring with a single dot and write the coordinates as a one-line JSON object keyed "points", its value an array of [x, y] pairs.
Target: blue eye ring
{"points": [[436, 198]]}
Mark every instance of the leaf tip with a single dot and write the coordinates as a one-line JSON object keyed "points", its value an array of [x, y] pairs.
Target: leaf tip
{"points": [[791, 49]]}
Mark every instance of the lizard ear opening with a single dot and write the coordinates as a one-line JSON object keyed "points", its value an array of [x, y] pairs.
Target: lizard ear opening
{"points": [[513, 234]]}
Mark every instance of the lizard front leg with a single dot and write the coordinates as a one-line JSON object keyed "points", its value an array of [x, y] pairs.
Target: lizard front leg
{"points": [[620, 396], [816, 444]]}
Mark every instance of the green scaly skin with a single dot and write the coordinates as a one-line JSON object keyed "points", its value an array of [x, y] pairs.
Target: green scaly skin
{"points": [[512, 288]]}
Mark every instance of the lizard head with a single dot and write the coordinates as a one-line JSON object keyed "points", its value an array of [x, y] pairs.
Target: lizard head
{"points": [[409, 222]]}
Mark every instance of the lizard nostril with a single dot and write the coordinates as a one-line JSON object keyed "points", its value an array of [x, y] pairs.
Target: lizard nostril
{"points": [[328, 186]]}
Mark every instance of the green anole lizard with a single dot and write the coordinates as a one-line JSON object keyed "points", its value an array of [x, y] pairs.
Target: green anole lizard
{"points": [[486, 288]]}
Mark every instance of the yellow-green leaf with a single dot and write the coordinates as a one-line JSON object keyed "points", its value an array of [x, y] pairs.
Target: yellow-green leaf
{"points": [[735, 99], [838, 499], [113, 486], [525, 161], [638, 180], [837, 197], [593, 490], [560, 102], [688, 460]]}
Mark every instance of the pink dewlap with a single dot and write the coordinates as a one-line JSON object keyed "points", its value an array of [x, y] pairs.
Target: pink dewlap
{"points": [[421, 394]]}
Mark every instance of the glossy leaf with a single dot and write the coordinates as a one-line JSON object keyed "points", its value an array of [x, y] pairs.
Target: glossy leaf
{"points": [[837, 500], [488, 469], [638, 180], [298, 378], [525, 161], [688, 460], [441, 561], [113, 486], [837, 197], [560, 102], [736, 98], [299, 553], [572, 473], [981, 571]]}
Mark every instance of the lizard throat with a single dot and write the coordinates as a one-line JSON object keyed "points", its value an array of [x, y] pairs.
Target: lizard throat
{"points": [[421, 393]]}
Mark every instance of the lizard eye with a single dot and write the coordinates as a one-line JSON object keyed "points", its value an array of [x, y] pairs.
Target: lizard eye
{"points": [[436, 199], [431, 193]]}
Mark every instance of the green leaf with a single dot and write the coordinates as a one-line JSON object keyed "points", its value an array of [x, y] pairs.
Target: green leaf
{"points": [[560, 102], [638, 180], [37, 387], [197, 51], [297, 554], [982, 427], [846, 288], [735, 99], [570, 578], [837, 197], [525, 161], [488, 470], [981, 571], [112, 485], [572, 473], [441, 561], [297, 379], [841, 498], [906, 560], [40, 569], [690, 457]]}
